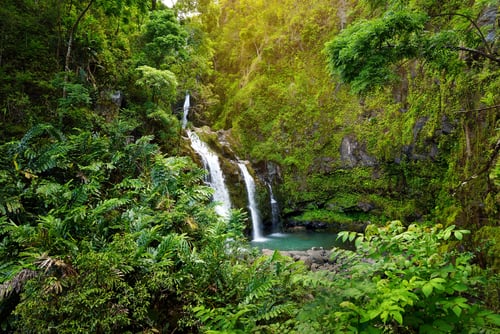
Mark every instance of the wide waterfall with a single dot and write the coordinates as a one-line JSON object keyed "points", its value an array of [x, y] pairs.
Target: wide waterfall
{"points": [[185, 111], [252, 205], [216, 181]]}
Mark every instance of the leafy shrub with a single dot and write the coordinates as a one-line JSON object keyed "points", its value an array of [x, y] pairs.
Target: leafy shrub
{"points": [[399, 280]]}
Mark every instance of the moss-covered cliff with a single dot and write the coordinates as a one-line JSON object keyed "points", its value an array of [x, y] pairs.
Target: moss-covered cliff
{"points": [[419, 145]]}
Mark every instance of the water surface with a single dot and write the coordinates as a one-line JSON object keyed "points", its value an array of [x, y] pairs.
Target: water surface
{"points": [[300, 240]]}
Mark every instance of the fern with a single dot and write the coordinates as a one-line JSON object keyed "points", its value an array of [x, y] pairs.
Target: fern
{"points": [[259, 290], [36, 131], [10, 205], [109, 205], [277, 311]]}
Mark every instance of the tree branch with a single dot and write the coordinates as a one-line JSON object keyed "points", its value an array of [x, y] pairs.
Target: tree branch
{"points": [[478, 52], [479, 109], [473, 23]]}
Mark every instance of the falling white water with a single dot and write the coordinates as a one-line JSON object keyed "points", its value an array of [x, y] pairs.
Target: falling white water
{"points": [[211, 163], [185, 111], [250, 184], [275, 211]]}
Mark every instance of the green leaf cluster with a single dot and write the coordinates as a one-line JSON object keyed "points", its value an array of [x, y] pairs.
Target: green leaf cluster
{"points": [[399, 280], [363, 52], [97, 232]]}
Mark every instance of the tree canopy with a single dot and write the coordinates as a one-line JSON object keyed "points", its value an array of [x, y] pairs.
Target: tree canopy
{"points": [[364, 53]]}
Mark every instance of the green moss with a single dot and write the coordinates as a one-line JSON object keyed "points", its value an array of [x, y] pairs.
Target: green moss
{"points": [[326, 216], [488, 240]]}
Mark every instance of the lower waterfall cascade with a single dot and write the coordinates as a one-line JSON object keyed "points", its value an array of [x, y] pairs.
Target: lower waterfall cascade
{"points": [[275, 211], [211, 164], [257, 234]]}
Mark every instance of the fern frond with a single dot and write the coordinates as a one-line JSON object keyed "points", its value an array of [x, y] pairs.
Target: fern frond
{"points": [[16, 283], [36, 131], [276, 311], [10, 204], [262, 290], [109, 204]]}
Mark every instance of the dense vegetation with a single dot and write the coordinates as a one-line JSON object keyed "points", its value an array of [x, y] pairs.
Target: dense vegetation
{"points": [[372, 110]]}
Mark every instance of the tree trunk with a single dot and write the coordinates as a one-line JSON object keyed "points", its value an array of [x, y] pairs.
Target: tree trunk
{"points": [[70, 44]]}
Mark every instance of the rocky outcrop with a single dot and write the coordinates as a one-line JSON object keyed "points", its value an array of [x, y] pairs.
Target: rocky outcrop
{"points": [[353, 153], [315, 259], [109, 103], [425, 148], [488, 18]]}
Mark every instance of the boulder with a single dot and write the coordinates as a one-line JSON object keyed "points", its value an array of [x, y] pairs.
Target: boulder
{"points": [[315, 258]]}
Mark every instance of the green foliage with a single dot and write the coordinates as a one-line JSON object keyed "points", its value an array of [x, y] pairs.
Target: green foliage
{"points": [[97, 232], [398, 279], [164, 39], [162, 83], [265, 295], [363, 52]]}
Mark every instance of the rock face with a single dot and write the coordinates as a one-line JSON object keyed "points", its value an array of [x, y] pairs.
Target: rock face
{"points": [[109, 103], [353, 154], [488, 18], [315, 259]]}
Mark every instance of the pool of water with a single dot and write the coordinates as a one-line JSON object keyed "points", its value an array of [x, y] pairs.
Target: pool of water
{"points": [[300, 240]]}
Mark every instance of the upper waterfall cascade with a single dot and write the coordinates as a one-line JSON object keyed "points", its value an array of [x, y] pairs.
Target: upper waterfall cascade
{"points": [[185, 111], [252, 205], [211, 163]]}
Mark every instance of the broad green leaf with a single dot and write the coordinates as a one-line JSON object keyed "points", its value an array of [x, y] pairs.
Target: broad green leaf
{"points": [[457, 310], [398, 317], [443, 326], [437, 283], [427, 289]]}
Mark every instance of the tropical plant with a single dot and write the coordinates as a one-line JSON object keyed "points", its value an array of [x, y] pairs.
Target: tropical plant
{"points": [[94, 224], [162, 83], [401, 280]]}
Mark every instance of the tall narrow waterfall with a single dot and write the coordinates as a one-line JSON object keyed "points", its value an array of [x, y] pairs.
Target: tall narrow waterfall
{"points": [[211, 163], [250, 184], [275, 211], [185, 111]]}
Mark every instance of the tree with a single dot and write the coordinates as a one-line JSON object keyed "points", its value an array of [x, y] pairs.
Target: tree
{"points": [[363, 53], [72, 32], [162, 83], [164, 39]]}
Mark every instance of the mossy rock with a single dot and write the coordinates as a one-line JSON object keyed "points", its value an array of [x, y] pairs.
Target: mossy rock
{"points": [[489, 239]]}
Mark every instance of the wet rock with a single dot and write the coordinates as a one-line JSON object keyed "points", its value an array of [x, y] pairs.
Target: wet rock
{"points": [[315, 258], [353, 154], [446, 126], [366, 206], [109, 103]]}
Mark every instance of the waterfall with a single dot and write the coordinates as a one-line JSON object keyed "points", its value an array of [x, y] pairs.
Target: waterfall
{"points": [[211, 163], [252, 205], [275, 211], [186, 111]]}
